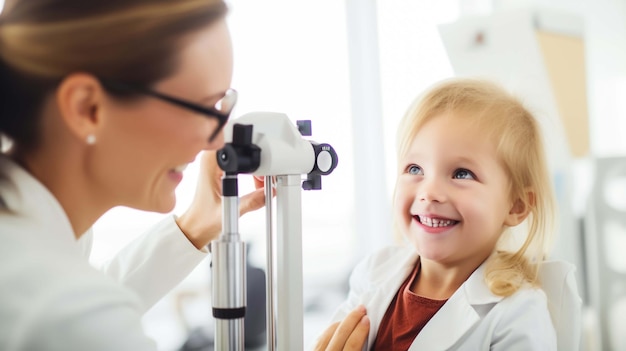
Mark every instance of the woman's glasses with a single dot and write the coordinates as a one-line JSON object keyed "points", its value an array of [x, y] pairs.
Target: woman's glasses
{"points": [[221, 110]]}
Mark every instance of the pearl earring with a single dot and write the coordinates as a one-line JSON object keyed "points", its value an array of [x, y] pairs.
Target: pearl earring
{"points": [[91, 139]]}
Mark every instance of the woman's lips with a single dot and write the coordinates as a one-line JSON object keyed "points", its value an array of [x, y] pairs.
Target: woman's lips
{"points": [[176, 173]]}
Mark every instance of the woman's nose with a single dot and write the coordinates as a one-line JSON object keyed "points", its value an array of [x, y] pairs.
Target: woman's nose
{"points": [[216, 143]]}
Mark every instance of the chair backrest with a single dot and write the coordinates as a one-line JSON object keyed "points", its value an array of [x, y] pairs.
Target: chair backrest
{"points": [[564, 302]]}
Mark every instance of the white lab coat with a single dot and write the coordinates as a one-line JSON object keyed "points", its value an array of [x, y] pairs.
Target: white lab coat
{"points": [[50, 296], [472, 319]]}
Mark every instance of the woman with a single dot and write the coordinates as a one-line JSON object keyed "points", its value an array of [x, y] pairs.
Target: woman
{"points": [[105, 103]]}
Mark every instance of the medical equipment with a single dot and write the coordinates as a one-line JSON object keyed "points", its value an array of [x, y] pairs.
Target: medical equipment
{"points": [[265, 144]]}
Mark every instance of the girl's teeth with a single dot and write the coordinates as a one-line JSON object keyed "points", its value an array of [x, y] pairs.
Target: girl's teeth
{"points": [[434, 222]]}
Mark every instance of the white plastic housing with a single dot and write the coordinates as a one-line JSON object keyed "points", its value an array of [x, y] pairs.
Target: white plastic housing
{"points": [[283, 149]]}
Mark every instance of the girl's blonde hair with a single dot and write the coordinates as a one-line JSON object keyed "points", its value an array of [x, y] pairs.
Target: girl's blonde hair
{"points": [[519, 148]]}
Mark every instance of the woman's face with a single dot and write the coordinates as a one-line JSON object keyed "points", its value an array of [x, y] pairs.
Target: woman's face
{"points": [[144, 146]]}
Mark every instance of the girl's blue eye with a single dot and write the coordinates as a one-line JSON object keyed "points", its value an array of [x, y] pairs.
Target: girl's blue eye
{"points": [[463, 174], [414, 170]]}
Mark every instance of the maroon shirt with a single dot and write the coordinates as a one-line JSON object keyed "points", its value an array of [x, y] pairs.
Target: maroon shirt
{"points": [[407, 314]]}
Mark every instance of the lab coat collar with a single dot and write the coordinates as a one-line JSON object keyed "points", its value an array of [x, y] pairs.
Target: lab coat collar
{"points": [[460, 311], [25, 198], [476, 290], [388, 269]]}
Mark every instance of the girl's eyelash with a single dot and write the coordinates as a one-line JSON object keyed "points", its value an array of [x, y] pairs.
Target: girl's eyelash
{"points": [[467, 171], [413, 169]]}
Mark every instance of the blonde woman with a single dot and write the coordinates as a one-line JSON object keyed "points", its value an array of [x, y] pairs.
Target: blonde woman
{"points": [[105, 103], [471, 166]]}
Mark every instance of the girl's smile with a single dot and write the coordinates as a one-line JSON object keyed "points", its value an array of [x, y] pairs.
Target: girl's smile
{"points": [[433, 224]]}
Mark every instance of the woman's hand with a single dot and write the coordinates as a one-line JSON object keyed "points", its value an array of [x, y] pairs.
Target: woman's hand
{"points": [[202, 222], [349, 334]]}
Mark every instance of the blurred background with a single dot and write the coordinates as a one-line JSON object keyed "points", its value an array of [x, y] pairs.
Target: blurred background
{"points": [[352, 67]]}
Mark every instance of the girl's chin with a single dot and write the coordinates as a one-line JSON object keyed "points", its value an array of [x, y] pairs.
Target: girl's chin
{"points": [[429, 252]]}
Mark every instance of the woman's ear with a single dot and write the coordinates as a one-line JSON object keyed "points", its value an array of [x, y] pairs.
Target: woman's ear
{"points": [[520, 209], [79, 97]]}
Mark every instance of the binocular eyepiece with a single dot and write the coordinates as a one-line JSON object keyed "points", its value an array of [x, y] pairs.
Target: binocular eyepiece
{"points": [[240, 155], [277, 155]]}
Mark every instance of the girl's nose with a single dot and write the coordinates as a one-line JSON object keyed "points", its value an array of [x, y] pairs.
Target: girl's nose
{"points": [[431, 190]]}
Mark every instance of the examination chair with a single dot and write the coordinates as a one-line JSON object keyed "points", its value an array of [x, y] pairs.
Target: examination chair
{"points": [[564, 302]]}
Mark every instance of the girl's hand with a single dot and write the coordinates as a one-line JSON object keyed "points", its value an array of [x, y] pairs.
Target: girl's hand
{"points": [[202, 222], [349, 334]]}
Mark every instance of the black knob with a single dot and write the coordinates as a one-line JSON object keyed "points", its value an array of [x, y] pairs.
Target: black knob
{"points": [[239, 156]]}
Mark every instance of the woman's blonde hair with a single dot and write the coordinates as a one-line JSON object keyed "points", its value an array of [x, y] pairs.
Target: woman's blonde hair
{"points": [[519, 148], [42, 41]]}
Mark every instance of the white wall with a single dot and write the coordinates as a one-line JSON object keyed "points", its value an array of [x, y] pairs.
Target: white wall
{"points": [[605, 30]]}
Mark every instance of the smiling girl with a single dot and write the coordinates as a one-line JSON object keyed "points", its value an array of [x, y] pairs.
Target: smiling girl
{"points": [[471, 166]]}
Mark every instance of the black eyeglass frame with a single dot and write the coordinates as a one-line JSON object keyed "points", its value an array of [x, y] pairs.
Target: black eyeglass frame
{"points": [[210, 112]]}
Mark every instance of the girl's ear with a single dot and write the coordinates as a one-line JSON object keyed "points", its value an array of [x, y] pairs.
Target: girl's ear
{"points": [[520, 209]]}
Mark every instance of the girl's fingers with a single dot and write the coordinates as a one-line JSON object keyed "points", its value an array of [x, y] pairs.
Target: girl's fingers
{"points": [[356, 340], [346, 328], [324, 339]]}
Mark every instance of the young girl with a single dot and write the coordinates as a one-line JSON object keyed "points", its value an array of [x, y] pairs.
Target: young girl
{"points": [[471, 166]]}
